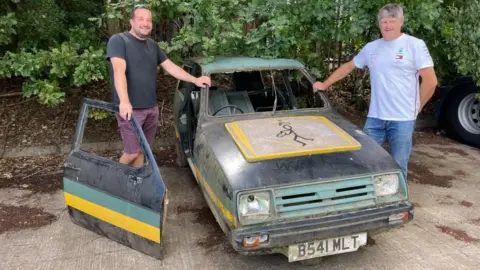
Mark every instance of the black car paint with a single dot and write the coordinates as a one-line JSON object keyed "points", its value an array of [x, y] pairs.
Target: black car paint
{"points": [[370, 159]]}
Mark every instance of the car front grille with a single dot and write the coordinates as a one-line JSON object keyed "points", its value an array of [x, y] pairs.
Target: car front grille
{"points": [[325, 198]]}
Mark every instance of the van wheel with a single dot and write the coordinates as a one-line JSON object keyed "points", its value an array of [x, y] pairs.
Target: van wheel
{"points": [[181, 159], [463, 115]]}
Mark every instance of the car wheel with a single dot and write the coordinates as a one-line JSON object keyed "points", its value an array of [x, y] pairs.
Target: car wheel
{"points": [[463, 116], [181, 159]]}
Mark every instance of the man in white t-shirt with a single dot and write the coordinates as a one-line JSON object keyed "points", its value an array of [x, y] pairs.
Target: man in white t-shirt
{"points": [[395, 63]]}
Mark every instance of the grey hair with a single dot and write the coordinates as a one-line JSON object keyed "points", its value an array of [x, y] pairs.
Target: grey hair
{"points": [[390, 10]]}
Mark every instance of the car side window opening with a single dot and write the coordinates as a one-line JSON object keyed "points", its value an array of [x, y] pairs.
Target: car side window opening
{"points": [[90, 132], [182, 85], [191, 109], [256, 91]]}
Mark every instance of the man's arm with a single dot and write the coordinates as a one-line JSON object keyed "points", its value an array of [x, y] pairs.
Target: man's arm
{"points": [[120, 79], [339, 74], [181, 74], [429, 83]]}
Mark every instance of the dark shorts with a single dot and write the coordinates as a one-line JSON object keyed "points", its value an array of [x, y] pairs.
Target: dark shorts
{"points": [[147, 119]]}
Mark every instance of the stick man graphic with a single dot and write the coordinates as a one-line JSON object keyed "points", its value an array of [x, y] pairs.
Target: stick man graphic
{"points": [[288, 130]]}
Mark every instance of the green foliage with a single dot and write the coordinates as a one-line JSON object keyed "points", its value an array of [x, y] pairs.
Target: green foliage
{"points": [[55, 44], [91, 67], [49, 93], [41, 23], [70, 63], [52, 44], [7, 28], [462, 38], [78, 12], [98, 114]]}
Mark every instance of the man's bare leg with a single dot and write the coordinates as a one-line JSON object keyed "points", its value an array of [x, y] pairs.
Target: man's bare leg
{"points": [[128, 159], [138, 162]]}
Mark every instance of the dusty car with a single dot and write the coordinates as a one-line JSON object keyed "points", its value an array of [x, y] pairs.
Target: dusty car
{"points": [[281, 170]]}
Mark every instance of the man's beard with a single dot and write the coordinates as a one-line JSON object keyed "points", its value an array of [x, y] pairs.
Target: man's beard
{"points": [[139, 34]]}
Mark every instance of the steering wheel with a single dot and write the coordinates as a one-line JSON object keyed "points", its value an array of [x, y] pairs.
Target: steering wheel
{"points": [[228, 106]]}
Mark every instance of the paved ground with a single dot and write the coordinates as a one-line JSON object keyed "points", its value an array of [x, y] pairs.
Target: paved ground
{"points": [[444, 235]]}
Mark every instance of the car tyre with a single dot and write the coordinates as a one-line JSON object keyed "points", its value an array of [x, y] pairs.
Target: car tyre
{"points": [[463, 116], [181, 159]]}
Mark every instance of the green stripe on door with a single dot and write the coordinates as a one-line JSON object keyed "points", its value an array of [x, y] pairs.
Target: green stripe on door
{"points": [[118, 205]]}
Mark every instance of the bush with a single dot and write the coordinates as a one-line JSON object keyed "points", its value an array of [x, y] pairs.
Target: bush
{"points": [[321, 34]]}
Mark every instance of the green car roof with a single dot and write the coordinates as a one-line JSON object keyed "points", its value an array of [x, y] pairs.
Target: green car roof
{"points": [[232, 64]]}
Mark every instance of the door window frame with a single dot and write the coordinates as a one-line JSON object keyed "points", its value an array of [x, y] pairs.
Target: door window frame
{"points": [[80, 130]]}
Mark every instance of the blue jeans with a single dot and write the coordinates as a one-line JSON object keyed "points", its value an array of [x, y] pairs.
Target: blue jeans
{"points": [[399, 134]]}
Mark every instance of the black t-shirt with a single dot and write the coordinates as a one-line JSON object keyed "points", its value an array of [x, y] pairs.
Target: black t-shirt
{"points": [[142, 58]]}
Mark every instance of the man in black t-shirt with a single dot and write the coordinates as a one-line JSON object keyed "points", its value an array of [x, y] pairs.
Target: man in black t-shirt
{"points": [[133, 59]]}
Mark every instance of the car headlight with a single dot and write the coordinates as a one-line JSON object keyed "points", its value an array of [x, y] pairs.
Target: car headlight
{"points": [[386, 184], [254, 207]]}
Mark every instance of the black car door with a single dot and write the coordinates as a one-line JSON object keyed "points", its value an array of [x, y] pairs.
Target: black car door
{"points": [[120, 202]]}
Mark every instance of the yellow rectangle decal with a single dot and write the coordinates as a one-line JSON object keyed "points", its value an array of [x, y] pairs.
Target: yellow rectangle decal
{"points": [[282, 137], [127, 223]]}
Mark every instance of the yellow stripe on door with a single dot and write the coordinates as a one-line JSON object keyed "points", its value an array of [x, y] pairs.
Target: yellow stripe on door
{"points": [[127, 223]]}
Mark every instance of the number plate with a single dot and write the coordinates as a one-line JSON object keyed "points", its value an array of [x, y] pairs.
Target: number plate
{"points": [[326, 247]]}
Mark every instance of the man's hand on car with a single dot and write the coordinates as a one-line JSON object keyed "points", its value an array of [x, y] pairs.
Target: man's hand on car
{"points": [[320, 86], [202, 81], [125, 110]]}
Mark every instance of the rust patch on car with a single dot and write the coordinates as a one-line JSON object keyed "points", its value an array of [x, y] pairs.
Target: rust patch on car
{"points": [[16, 218], [458, 234], [419, 173], [450, 150], [466, 203]]}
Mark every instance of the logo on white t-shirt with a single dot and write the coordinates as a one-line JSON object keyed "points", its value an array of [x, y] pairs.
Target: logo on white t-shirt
{"points": [[373, 57], [399, 55]]}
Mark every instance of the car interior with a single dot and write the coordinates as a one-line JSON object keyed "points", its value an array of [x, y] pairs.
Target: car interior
{"points": [[256, 91]]}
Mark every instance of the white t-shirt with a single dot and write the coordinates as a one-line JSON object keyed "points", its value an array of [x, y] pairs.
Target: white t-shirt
{"points": [[394, 77]]}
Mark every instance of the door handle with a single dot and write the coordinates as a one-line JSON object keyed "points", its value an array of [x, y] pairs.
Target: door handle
{"points": [[135, 179], [71, 166]]}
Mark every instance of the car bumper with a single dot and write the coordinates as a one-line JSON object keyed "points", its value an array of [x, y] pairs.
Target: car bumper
{"points": [[285, 234]]}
